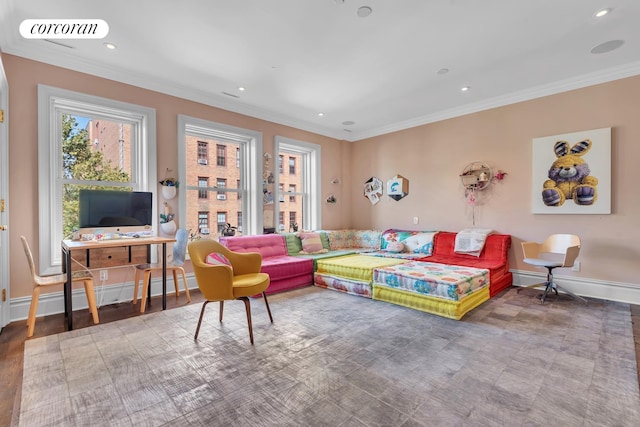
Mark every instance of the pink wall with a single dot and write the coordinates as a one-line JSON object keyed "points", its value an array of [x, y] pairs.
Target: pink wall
{"points": [[432, 156], [24, 75]]}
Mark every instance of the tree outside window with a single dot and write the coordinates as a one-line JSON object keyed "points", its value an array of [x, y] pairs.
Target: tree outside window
{"points": [[97, 152]]}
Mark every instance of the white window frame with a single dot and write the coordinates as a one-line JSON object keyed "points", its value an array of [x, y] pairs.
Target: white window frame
{"points": [[310, 155], [52, 103], [250, 143]]}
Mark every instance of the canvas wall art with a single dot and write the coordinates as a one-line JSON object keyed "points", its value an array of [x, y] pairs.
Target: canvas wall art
{"points": [[572, 173]]}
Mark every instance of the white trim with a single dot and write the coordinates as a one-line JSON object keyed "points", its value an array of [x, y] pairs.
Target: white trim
{"points": [[4, 194], [51, 101], [593, 288], [528, 94], [53, 302], [175, 88], [250, 168]]}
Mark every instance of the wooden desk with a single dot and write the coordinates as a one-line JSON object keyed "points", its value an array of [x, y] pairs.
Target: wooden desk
{"points": [[85, 248]]}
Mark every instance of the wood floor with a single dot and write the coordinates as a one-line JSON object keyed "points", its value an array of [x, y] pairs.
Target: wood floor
{"points": [[13, 336]]}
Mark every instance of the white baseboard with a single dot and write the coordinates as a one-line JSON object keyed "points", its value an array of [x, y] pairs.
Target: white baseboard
{"points": [[53, 303], [593, 288]]}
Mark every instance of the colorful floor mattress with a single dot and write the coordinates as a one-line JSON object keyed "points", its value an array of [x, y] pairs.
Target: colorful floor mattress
{"points": [[352, 274], [445, 290]]}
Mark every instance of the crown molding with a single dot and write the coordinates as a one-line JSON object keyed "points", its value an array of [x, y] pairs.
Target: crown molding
{"points": [[578, 82], [219, 101]]}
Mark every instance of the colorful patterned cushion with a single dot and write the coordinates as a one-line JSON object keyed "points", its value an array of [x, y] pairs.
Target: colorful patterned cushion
{"points": [[216, 258], [395, 247], [354, 239], [421, 243], [311, 244]]}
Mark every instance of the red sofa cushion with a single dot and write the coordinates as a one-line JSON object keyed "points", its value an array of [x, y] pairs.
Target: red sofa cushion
{"points": [[494, 256]]}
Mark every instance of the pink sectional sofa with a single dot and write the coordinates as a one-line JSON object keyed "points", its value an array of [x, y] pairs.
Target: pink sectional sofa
{"points": [[286, 272]]}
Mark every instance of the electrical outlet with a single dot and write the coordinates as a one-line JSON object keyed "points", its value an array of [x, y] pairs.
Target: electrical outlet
{"points": [[415, 220], [104, 275], [576, 266]]}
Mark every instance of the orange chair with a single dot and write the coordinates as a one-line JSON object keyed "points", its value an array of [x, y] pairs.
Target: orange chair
{"points": [[175, 266], [39, 282], [223, 282]]}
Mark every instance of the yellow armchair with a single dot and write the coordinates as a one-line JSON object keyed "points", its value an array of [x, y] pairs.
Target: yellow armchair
{"points": [[223, 283]]}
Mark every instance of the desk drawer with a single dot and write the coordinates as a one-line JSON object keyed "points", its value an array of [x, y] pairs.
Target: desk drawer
{"points": [[109, 257]]}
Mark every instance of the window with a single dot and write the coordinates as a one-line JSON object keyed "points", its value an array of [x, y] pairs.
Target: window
{"points": [[304, 185], [292, 165], [281, 192], [203, 153], [292, 189], [240, 222], [247, 177], [221, 155], [281, 220], [293, 223], [281, 164], [115, 140], [221, 183], [222, 221], [203, 183], [203, 222]]}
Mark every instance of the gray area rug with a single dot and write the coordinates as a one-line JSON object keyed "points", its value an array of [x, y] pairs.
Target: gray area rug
{"points": [[331, 359]]}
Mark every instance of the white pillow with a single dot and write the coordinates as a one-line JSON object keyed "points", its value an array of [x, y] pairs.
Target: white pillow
{"points": [[421, 243]]}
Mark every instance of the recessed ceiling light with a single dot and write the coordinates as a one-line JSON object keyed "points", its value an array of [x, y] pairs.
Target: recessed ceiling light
{"points": [[320, 114], [348, 123], [110, 46], [607, 46], [465, 88], [364, 11], [443, 71], [241, 89], [601, 13]]}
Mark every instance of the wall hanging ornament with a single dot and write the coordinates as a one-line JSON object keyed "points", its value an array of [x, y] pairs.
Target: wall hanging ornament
{"points": [[167, 223], [373, 190], [169, 187], [397, 187], [476, 176]]}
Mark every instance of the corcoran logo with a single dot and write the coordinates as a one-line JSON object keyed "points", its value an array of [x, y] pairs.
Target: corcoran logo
{"points": [[64, 29]]}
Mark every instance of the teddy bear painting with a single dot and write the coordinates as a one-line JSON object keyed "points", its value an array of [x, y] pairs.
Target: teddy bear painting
{"points": [[569, 176]]}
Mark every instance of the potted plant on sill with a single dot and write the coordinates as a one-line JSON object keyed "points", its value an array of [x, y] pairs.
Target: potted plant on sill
{"points": [[167, 224], [229, 230], [169, 187]]}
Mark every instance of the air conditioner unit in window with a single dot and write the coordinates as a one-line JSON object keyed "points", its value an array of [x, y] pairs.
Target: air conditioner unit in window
{"points": [[204, 231], [221, 197], [202, 161]]}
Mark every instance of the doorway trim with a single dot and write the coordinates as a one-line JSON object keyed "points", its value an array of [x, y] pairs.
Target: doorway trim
{"points": [[4, 195]]}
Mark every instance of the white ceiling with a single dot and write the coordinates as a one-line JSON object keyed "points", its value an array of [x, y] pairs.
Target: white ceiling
{"points": [[297, 58]]}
